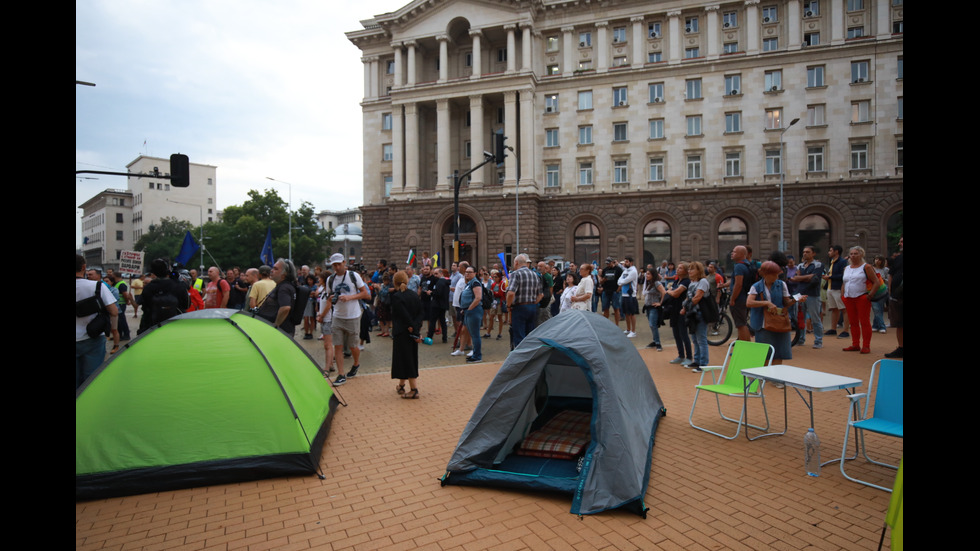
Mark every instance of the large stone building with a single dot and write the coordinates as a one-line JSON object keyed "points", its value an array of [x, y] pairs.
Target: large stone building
{"points": [[115, 219], [661, 129]]}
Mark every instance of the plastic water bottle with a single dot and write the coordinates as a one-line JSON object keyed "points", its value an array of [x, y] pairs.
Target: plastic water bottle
{"points": [[811, 445]]}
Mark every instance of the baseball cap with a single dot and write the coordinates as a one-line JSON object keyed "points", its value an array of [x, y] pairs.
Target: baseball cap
{"points": [[336, 258]]}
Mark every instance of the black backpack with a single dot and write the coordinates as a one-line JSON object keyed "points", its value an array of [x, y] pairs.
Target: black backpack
{"points": [[300, 298], [486, 298], [165, 305]]}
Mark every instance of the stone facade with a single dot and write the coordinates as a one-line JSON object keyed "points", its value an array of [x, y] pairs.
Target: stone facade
{"points": [[659, 129]]}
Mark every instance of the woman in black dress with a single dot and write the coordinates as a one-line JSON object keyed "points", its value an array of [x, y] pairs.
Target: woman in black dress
{"points": [[406, 326]]}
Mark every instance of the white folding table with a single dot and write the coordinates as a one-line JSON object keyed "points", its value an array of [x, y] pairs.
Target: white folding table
{"points": [[799, 379]]}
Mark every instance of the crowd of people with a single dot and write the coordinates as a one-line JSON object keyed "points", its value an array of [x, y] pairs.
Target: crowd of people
{"points": [[473, 302]]}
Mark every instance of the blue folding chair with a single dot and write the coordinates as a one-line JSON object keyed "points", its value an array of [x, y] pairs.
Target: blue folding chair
{"points": [[886, 418]]}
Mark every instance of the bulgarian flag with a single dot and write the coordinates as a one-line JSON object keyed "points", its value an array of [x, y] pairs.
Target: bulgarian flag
{"points": [[411, 257]]}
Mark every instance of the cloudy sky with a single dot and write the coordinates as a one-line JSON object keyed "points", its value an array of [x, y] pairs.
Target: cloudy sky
{"points": [[256, 88]]}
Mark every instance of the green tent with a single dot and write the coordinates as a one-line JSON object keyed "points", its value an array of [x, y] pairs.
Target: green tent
{"points": [[209, 397]]}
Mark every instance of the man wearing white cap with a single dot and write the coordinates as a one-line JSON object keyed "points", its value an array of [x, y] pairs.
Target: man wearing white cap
{"points": [[346, 289]]}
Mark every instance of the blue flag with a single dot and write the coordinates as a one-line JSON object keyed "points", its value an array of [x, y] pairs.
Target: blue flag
{"points": [[266, 255], [503, 263], [187, 250]]}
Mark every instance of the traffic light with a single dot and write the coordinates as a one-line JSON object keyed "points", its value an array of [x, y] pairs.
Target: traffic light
{"points": [[180, 171], [499, 153]]}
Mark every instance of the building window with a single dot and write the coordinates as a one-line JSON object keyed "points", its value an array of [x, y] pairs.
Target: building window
{"points": [[585, 65], [468, 59], [654, 57], [901, 108], [901, 67], [815, 115], [166, 187], [386, 152], [621, 172], [584, 40], [657, 92], [387, 185], [811, 39], [551, 103], [860, 111], [585, 174], [729, 19], [733, 83], [811, 8], [585, 100], [119, 218], [620, 132], [386, 121], [733, 163], [814, 76], [774, 119], [693, 167], [691, 25], [694, 125], [733, 122], [151, 185], [691, 53], [619, 35], [390, 67], [693, 89], [769, 14], [855, 32], [656, 169], [552, 44], [552, 176], [855, 5], [552, 70], [772, 161], [119, 235], [859, 156], [501, 55], [551, 137], [619, 96], [620, 61], [770, 44], [898, 27], [730, 48], [500, 115], [656, 129], [900, 152], [653, 30], [585, 135], [774, 81], [859, 71], [814, 159]]}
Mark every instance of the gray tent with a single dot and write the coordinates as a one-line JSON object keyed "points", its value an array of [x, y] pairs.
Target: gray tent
{"points": [[576, 362]]}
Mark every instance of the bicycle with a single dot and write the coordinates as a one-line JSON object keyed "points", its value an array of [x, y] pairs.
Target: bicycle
{"points": [[720, 331]]}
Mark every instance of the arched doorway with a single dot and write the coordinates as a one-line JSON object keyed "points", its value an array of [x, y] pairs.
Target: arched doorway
{"points": [[467, 237], [732, 231], [895, 230], [656, 242], [587, 243], [814, 231]]}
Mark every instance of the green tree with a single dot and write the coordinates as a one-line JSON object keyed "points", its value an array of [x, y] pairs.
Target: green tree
{"points": [[163, 240]]}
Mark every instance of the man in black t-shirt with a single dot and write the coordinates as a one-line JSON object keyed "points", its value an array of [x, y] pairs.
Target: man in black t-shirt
{"points": [[279, 302], [609, 280]]}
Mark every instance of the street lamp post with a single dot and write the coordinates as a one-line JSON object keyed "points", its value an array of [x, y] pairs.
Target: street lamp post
{"points": [[782, 181], [289, 210]]}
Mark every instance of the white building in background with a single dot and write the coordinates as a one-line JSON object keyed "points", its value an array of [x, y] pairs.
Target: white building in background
{"points": [[347, 237], [115, 219]]}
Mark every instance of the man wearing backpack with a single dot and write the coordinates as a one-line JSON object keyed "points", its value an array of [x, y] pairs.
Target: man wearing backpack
{"points": [[279, 302], [163, 298], [346, 290], [743, 276]]}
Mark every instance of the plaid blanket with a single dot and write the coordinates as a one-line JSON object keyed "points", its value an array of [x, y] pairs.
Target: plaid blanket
{"points": [[565, 436]]}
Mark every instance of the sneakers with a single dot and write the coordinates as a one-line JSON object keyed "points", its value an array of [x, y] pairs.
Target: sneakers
{"points": [[353, 371], [626, 332], [498, 337], [469, 354], [897, 353], [652, 345], [677, 360], [631, 335], [473, 360], [695, 368], [457, 352], [659, 348], [818, 345], [830, 332], [882, 330], [687, 362], [843, 335], [487, 336], [339, 380]]}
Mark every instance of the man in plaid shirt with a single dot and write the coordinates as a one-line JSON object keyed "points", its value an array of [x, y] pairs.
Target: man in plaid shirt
{"points": [[523, 296]]}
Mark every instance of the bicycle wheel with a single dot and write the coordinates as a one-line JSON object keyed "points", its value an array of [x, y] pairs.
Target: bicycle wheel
{"points": [[799, 336], [720, 331]]}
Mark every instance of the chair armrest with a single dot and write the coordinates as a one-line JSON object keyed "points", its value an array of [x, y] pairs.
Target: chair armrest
{"points": [[711, 367], [855, 397]]}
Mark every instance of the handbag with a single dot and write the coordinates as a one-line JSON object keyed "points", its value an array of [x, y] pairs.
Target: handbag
{"points": [[876, 288], [776, 322]]}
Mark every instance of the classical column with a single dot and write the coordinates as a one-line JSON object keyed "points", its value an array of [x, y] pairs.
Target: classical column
{"points": [[411, 62], [639, 40], [510, 131], [476, 139], [411, 148], [714, 30], [526, 47], [397, 149], [399, 71], [443, 57], [793, 17], [366, 61], [752, 26], [527, 137], [674, 54], [568, 52], [443, 143], [477, 35], [374, 77], [511, 46], [602, 47]]}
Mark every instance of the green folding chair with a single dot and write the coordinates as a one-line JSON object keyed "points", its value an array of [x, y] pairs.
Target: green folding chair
{"points": [[741, 355]]}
